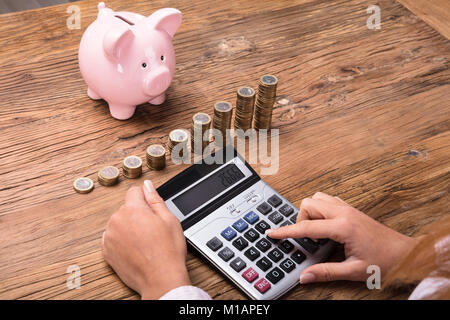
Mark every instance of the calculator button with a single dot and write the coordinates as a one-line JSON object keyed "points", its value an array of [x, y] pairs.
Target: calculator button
{"points": [[273, 240], [250, 275], [251, 217], [214, 244], [275, 217], [238, 264], [262, 226], [226, 254], [263, 245], [286, 210], [252, 253], [264, 264], [286, 223], [262, 285], [274, 201], [287, 265], [286, 246], [294, 218], [251, 235], [240, 225], [264, 208], [275, 255], [275, 275], [240, 243], [308, 244], [322, 241], [228, 233], [298, 256]]}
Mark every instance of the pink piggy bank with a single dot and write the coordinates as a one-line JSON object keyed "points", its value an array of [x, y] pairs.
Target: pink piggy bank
{"points": [[128, 59]]}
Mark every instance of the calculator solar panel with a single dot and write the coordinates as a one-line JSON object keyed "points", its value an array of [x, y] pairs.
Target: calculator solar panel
{"points": [[225, 208]]}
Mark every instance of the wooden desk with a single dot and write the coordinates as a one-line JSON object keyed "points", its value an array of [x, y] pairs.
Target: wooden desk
{"points": [[366, 116]]}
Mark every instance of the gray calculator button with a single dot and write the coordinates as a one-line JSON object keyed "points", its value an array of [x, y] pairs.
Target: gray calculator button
{"points": [[252, 253], [294, 218], [274, 200], [287, 265], [275, 255], [286, 223], [264, 264], [275, 217], [286, 210], [251, 235], [308, 244], [238, 264], [226, 254], [264, 208], [240, 243], [263, 245], [214, 244]]}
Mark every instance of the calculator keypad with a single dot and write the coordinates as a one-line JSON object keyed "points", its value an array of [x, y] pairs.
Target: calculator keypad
{"points": [[266, 253]]}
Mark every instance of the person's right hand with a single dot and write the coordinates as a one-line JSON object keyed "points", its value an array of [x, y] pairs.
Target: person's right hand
{"points": [[366, 241]]}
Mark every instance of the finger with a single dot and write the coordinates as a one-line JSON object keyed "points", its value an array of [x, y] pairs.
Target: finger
{"points": [[326, 197], [315, 229], [341, 201], [135, 198], [318, 209], [154, 200], [331, 271]]}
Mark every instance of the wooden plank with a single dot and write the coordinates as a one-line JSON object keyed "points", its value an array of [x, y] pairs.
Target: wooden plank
{"points": [[434, 12], [364, 114]]}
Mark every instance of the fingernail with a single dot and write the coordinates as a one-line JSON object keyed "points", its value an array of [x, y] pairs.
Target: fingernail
{"points": [[148, 185], [307, 278], [268, 231]]}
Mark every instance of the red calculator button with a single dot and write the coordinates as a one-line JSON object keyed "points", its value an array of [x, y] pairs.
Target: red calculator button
{"points": [[262, 285], [250, 275]]}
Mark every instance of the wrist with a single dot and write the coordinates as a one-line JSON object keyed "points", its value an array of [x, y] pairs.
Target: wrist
{"points": [[155, 289]]}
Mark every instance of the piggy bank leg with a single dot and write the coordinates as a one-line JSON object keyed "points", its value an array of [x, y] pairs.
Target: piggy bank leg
{"points": [[91, 94], [159, 99], [121, 112]]}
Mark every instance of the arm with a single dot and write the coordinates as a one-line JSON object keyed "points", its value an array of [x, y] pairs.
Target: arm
{"points": [[145, 245], [366, 241]]}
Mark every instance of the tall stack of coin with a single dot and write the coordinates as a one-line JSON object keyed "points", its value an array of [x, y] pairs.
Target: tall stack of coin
{"points": [[267, 92], [244, 108], [201, 122], [132, 167], [108, 176], [178, 137], [156, 157], [223, 111]]}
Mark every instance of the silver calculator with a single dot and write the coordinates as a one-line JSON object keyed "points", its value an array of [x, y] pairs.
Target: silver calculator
{"points": [[225, 208]]}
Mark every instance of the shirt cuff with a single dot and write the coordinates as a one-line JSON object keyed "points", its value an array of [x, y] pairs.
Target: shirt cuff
{"points": [[186, 293]]}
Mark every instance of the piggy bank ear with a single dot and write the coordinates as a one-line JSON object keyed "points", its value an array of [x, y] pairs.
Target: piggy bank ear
{"points": [[116, 42], [167, 19]]}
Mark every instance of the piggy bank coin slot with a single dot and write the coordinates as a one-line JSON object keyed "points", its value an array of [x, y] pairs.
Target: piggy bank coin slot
{"points": [[125, 20]]}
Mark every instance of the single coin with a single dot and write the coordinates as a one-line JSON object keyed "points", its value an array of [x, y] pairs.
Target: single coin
{"points": [[269, 79], [83, 185], [108, 176]]}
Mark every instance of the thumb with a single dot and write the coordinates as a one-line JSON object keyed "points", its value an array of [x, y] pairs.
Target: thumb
{"points": [[154, 200], [331, 271]]}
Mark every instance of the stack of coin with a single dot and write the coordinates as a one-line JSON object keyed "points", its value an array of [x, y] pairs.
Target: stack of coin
{"points": [[223, 112], [83, 185], [267, 92], [132, 167], [108, 176], [156, 157], [177, 137], [244, 108], [201, 122]]}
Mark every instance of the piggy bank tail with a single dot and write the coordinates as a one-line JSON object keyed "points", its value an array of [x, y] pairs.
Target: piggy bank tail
{"points": [[101, 6], [103, 10]]}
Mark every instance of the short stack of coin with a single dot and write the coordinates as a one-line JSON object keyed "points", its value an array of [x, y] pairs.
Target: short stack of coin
{"points": [[108, 176], [245, 102], [267, 92], [156, 157], [201, 122], [178, 137], [132, 167], [223, 111], [83, 185]]}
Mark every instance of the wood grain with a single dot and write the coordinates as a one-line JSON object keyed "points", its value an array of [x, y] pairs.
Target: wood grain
{"points": [[363, 114], [434, 12]]}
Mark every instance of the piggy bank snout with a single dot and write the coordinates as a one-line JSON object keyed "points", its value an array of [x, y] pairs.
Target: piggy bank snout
{"points": [[157, 82]]}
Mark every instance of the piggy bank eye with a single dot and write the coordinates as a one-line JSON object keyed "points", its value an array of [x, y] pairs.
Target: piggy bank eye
{"points": [[144, 65], [163, 58]]}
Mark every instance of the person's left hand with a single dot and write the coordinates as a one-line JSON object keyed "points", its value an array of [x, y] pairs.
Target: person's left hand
{"points": [[145, 245]]}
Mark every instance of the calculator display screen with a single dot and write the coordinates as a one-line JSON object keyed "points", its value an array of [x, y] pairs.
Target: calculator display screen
{"points": [[208, 188]]}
